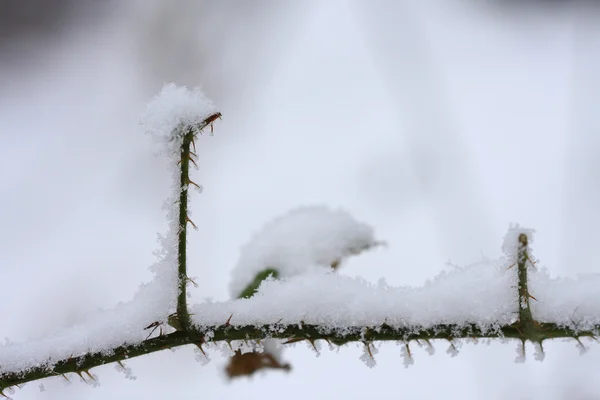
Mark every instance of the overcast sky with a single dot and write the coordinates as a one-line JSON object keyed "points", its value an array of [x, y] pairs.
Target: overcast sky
{"points": [[439, 123]]}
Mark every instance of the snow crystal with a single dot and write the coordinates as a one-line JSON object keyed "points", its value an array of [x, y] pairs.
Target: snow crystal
{"points": [[120, 367], [452, 349], [521, 357], [201, 356], [173, 108], [303, 239], [368, 354], [406, 355]]}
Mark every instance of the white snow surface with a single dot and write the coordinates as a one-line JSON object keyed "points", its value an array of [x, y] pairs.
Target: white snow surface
{"points": [[484, 294], [175, 107], [303, 239]]}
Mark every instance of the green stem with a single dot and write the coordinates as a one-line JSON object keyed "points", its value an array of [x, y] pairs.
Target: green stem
{"points": [[183, 315], [292, 332], [253, 287], [526, 322]]}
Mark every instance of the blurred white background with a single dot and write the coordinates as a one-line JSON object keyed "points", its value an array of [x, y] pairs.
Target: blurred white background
{"points": [[438, 122]]}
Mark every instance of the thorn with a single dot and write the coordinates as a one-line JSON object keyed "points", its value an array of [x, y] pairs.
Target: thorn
{"points": [[510, 266], [192, 281], [87, 372], [227, 323], [312, 342], [368, 349], [193, 183], [199, 345], [327, 340], [229, 344], [152, 325], [191, 222], [65, 376], [531, 296], [408, 350], [194, 143], [194, 162], [212, 118], [192, 154], [121, 364], [452, 344], [153, 329], [293, 340]]}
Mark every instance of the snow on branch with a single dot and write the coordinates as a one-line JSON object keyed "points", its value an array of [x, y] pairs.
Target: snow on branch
{"points": [[285, 287], [304, 239]]}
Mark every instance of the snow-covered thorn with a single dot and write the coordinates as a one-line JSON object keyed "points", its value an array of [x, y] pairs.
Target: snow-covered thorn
{"points": [[193, 162], [229, 344], [368, 347], [510, 266], [312, 342], [227, 323], [2, 393], [452, 343], [121, 364], [407, 346], [65, 376], [192, 281], [191, 222], [194, 143]]}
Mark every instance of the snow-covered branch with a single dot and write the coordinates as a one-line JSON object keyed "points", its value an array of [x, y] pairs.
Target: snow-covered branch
{"points": [[286, 289]]}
